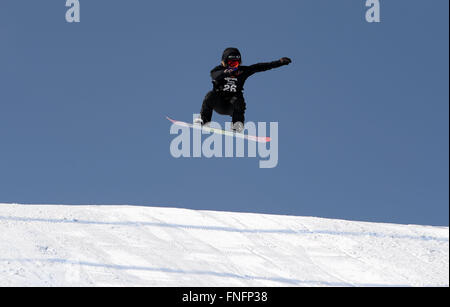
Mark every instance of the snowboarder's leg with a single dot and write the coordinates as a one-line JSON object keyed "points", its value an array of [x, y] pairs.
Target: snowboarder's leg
{"points": [[208, 107], [239, 107], [223, 106], [215, 102]]}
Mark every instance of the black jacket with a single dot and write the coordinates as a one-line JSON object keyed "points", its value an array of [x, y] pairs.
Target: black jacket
{"points": [[232, 82]]}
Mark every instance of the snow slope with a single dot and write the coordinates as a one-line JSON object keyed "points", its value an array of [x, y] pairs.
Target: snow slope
{"points": [[58, 245]]}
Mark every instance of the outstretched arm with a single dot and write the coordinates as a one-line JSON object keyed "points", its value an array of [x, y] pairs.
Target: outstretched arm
{"points": [[267, 66]]}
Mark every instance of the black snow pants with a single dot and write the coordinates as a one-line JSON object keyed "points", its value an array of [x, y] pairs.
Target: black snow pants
{"points": [[233, 105]]}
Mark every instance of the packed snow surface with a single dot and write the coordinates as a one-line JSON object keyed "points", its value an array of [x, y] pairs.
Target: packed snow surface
{"points": [[60, 245]]}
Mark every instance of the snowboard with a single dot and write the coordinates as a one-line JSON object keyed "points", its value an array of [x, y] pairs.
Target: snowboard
{"points": [[258, 139]]}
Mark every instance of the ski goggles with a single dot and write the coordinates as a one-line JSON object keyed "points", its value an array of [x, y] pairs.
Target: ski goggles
{"points": [[233, 63]]}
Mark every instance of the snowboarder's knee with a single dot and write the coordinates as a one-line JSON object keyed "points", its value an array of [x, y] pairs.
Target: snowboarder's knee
{"points": [[238, 104]]}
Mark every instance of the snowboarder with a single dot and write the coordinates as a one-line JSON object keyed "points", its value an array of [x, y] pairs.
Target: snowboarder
{"points": [[228, 80]]}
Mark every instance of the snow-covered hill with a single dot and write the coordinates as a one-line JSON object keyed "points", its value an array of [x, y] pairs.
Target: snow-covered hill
{"points": [[57, 245]]}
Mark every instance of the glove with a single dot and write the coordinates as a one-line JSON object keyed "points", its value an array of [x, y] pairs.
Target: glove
{"points": [[285, 61]]}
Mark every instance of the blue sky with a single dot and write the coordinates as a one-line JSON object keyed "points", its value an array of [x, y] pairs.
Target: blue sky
{"points": [[362, 110]]}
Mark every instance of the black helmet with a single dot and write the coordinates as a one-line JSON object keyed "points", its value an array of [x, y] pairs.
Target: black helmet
{"points": [[231, 54]]}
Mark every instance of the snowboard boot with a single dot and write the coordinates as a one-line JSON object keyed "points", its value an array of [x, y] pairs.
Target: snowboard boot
{"points": [[237, 127], [198, 121]]}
